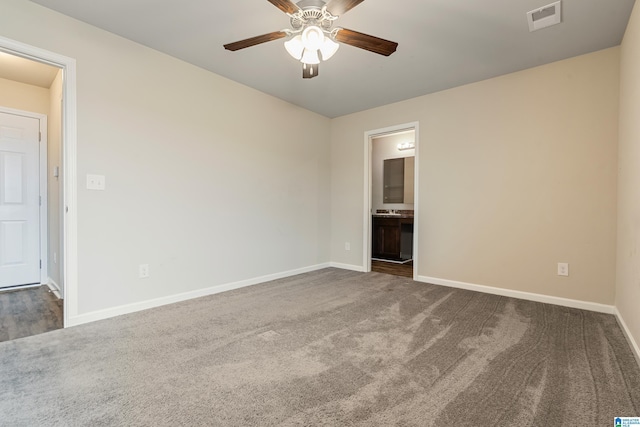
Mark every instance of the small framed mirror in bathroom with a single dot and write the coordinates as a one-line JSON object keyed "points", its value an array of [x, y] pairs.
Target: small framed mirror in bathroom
{"points": [[398, 180]]}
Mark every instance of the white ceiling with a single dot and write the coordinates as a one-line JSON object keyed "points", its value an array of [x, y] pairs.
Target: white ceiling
{"points": [[26, 71], [442, 43]]}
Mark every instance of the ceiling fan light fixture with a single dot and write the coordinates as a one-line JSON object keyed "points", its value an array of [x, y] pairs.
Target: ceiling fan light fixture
{"points": [[309, 71], [329, 48], [313, 37], [310, 57], [295, 47]]}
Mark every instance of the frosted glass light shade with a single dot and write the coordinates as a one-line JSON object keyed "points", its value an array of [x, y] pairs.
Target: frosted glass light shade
{"points": [[329, 47], [310, 57], [312, 38], [295, 47]]}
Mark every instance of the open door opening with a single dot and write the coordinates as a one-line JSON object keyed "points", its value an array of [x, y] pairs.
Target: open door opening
{"points": [[31, 278], [37, 161], [391, 195]]}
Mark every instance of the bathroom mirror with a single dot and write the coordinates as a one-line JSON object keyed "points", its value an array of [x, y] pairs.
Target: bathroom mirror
{"points": [[398, 175]]}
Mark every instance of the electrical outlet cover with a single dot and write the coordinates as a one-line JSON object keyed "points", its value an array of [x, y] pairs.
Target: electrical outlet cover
{"points": [[143, 271], [563, 269]]}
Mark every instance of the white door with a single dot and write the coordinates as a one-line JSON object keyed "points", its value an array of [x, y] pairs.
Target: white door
{"points": [[19, 200]]}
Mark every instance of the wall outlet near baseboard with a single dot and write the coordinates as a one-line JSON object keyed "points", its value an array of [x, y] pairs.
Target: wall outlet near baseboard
{"points": [[563, 269], [143, 271], [347, 246]]}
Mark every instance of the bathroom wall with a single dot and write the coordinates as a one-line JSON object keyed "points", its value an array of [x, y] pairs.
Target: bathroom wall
{"points": [[386, 147]]}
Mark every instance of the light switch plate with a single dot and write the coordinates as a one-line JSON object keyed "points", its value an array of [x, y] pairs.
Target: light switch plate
{"points": [[95, 182]]}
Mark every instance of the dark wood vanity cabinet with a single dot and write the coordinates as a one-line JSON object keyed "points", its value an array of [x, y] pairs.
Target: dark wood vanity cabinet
{"points": [[386, 238], [390, 236]]}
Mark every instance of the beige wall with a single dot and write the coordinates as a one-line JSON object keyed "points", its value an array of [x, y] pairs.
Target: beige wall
{"points": [[628, 255], [54, 159], [517, 173], [208, 181], [24, 97]]}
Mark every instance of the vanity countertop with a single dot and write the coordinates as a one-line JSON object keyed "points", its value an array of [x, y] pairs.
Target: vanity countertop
{"points": [[392, 216]]}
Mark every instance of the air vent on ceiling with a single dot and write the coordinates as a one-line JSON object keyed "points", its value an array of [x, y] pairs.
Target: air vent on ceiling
{"points": [[545, 16]]}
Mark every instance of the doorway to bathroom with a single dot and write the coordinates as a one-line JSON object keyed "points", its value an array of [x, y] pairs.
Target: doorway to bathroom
{"points": [[391, 215]]}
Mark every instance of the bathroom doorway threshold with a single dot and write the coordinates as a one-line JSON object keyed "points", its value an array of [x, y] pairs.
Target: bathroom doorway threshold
{"points": [[395, 269], [393, 261]]}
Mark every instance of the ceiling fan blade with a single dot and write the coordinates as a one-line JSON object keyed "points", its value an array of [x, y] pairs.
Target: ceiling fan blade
{"points": [[366, 42], [255, 40], [339, 7], [285, 5]]}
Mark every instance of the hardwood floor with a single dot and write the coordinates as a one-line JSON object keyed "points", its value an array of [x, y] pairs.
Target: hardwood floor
{"points": [[27, 312], [405, 270]]}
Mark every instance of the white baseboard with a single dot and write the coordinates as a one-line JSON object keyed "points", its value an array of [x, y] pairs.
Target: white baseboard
{"points": [[54, 287], [144, 305], [632, 342], [565, 302], [20, 287], [351, 267]]}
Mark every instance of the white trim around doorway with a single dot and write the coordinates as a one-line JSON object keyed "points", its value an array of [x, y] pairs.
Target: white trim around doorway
{"points": [[69, 165], [366, 232]]}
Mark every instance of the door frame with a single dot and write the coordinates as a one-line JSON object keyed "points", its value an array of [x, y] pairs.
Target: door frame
{"points": [[69, 234], [366, 232], [43, 186]]}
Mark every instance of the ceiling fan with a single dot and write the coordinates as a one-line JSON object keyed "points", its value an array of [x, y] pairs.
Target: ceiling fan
{"points": [[313, 37]]}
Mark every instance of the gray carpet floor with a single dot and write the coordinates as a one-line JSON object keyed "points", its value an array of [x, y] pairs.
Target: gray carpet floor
{"points": [[328, 348], [26, 312]]}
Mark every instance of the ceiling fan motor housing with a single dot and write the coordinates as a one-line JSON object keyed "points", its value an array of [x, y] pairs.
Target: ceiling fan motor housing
{"points": [[312, 12], [318, 4]]}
